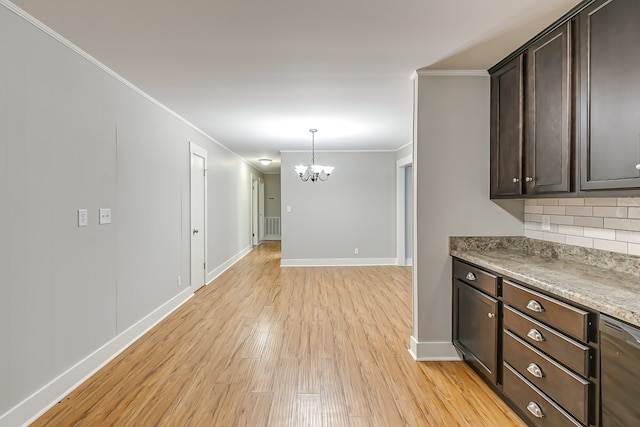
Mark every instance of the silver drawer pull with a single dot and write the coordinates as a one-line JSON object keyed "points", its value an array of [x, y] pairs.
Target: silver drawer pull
{"points": [[535, 306], [535, 370], [471, 276], [535, 409], [535, 335]]}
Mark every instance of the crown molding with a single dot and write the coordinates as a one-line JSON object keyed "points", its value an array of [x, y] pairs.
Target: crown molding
{"points": [[449, 73], [65, 42]]}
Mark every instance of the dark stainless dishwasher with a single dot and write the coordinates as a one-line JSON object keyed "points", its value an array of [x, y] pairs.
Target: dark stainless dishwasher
{"points": [[620, 373]]}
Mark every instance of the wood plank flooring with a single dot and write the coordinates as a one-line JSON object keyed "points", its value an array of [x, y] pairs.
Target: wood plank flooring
{"points": [[270, 346]]}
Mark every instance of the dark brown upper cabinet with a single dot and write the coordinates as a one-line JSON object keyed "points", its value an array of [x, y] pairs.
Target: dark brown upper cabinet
{"points": [[548, 137], [610, 96], [532, 147], [507, 126]]}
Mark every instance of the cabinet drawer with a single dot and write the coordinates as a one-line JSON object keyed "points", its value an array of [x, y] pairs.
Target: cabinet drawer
{"points": [[566, 388], [568, 319], [538, 408], [475, 277], [570, 353]]}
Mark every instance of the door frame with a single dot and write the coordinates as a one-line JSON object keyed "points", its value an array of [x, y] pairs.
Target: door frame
{"points": [[401, 227], [195, 149], [255, 228]]}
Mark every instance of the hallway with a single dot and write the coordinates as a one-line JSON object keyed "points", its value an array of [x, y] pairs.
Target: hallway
{"points": [[270, 346]]}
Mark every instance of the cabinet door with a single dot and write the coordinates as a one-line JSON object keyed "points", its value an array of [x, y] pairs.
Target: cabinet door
{"points": [[507, 129], [476, 328], [548, 130], [610, 95]]}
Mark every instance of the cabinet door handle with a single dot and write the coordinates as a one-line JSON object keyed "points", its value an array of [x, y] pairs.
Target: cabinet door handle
{"points": [[638, 166], [516, 179], [471, 276], [535, 370], [535, 409], [528, 179], [535, 335], [535, 306], [491, 315]]}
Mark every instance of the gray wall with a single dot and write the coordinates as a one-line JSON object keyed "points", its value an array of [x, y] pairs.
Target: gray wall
{"points": [[272, 200], [408, 213], [356, 207], [404, 151], [451, 176], [72, 136]]}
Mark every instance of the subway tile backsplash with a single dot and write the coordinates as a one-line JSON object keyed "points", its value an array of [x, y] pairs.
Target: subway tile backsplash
{"points": [[611, 224]]}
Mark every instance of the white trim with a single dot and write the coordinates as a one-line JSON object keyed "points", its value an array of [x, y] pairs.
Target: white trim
{"points": [[272, 237], [196, 149], [41, 26], [433, 351], [337, 262], [404, 146], [449, 73], [53, 392], [391, 150], [213, 274], [401, 165]]}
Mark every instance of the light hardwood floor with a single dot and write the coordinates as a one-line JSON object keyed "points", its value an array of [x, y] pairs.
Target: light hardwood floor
{"points": [[270, 346]]}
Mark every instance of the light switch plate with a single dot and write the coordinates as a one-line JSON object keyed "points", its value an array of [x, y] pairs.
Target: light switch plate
{"points": [[83, 218], [546, 223], [288, 208], [105, 216]]}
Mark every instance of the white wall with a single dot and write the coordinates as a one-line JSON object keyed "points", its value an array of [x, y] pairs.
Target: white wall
{"points": [[73, 135], [451, 184], [355, 208]]}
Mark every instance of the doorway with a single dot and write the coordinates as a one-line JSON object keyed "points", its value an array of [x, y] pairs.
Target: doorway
{"points": [[198, 233], [404, 210]]}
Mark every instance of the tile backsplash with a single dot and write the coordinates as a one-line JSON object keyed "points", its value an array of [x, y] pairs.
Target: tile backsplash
{"points": [[610, 224]]}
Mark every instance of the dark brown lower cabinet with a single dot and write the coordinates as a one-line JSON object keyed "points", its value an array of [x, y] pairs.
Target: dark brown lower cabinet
{"points": [[476, 329], [538, 351]]}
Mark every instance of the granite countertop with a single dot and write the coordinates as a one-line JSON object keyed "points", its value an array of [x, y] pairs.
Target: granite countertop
{"points": [[603, 281]]}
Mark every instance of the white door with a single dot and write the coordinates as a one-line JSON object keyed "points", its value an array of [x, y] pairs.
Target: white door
{"points": [[198, 217], [254, 212]]}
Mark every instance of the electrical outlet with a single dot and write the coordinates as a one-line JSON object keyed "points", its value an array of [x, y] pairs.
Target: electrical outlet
{"points": [[356, 251], [104, 216], [83, 218], [179, 281], [546, 223]]}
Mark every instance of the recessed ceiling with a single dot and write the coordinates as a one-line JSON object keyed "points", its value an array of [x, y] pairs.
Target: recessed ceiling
{"points": [[257, 75]]}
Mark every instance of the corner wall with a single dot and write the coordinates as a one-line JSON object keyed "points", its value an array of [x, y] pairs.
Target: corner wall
{"points": [[451, 189]]}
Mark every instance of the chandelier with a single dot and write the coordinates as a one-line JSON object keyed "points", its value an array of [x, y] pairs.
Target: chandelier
{"points": [[314, 172]]}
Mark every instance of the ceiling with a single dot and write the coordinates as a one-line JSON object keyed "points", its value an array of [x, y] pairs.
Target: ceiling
{"points": [[257, 75]]}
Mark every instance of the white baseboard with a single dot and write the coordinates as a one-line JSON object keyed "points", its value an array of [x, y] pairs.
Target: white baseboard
{"points": [[433, 351], [49, 395], [272, 237], [336, 262], [409, 262], [213, 274]]}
